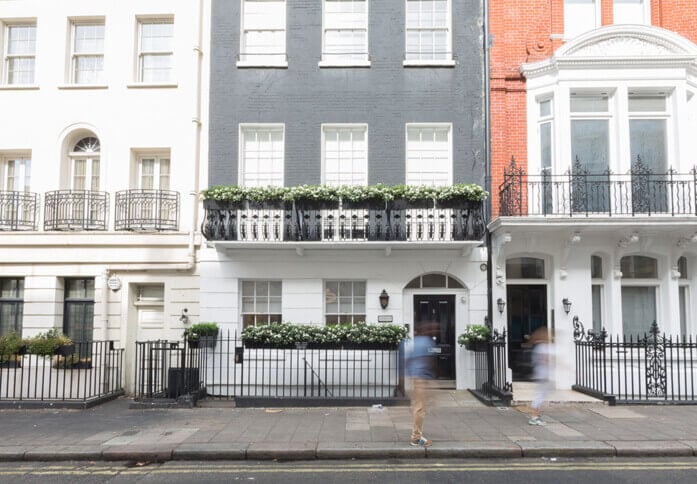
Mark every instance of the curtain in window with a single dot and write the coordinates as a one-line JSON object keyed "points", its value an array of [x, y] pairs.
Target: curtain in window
{"points": [[638, 309]]}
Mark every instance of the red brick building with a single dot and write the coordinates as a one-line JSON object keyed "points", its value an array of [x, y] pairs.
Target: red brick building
{"points": [[597, 102]]}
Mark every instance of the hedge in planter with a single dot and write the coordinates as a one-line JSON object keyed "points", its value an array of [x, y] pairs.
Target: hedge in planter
{"points": [[348, 336], [50, 343], [201, 332]]}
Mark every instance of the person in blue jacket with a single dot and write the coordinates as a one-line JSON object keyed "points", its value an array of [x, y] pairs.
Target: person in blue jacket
{"points": [[420, 368]]}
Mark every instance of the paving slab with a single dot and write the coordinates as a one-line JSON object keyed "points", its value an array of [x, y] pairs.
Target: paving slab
{"points": [[651, 448], [464, 450], [566, 448], [210, 451], [368, 450], [281, 450]]}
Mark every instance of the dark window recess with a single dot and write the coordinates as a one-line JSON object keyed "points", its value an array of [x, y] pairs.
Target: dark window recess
{"points": [[78, 310], [11, 305], [525, 268]]}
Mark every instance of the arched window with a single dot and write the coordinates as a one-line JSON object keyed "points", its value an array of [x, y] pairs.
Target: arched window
{"points": [[639, 286], [84, 161], [434, 280], [525, 268]]}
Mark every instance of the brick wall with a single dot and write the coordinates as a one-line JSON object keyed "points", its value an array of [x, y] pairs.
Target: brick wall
{"points": [[530, 31]]}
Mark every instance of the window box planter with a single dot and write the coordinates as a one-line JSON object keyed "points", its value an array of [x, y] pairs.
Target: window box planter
{"points": [[208, 341], [193, 342], [404, 204], [371, 204], [458, 203], [65, 350], [477, 346], [224, 205], [306, 204], [269, 205]]}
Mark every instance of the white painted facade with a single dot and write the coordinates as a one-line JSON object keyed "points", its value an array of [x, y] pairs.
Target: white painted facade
{"points": [[614, 61], [302, 273], [42, 120]]}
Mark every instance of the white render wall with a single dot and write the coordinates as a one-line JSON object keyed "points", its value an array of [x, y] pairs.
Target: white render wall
{"points": [[44, 119], [303, 284], [568, 275]]}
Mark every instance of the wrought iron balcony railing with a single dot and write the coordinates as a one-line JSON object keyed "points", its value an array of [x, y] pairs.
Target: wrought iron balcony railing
{"points": [[580, 193], [18, 210], [396, 221], [146, 210], [76, 210]]}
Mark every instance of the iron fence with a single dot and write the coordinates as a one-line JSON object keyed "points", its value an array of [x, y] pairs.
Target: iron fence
{"points": [[490, 371], [76, 210], [18, 210], [641, 192], [81, 374], [224, 368], [146, 210], [648, 368], [389, 222]]}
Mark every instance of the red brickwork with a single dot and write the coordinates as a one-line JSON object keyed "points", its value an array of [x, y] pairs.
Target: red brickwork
{"points": [[531, 30]]}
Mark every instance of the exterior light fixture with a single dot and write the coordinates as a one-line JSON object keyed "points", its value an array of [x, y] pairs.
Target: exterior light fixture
{"points": [[384, 299], [501, 304], [567, 305]]}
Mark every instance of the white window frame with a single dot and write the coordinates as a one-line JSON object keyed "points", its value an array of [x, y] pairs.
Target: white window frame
{"points": [[141, 54], [449, 126], [335, 60], [256, 313], [598, 20], [646, 7], [90, 158], [241, 156], [654, 283], [665, 115], [600, 282], [22, 160], [449, 62], [5, 79], [72, 75], [159, 159], [353, 313], [276, 59], [348, 126]]}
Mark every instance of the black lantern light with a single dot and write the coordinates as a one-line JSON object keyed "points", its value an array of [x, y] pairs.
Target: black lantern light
{"points": [[567, 305], [501, 304], [384, 299]]}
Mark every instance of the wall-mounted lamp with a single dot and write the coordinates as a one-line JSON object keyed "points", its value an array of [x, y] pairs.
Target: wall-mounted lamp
{"points": [[384, 299], [567, 305], [501, 304], [184, 318]]}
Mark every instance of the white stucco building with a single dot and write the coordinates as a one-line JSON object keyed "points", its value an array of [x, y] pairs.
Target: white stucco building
{"points": [[102, 146]]}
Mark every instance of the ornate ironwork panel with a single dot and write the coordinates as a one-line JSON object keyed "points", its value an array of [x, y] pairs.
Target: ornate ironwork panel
{"points": [[147, 210], [76, 210], [18, 210]]}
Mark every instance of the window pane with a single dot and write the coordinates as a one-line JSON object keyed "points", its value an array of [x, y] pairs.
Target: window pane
{"points": [[589, 104], [248, 288], [546, 145], [525, 268], [414, 283], [596, 267], [20, 70], [579, 17], [156, 67], [89, 39], [428, 156], [647, 140], [21, 40], [639, 267], [433, 280], [638, 103], [262, 156], [596, 294], [545, 108], [275, 288], [454, 284], [629, 12], [88, 69], [590, 143], [345, 156], [682, 300], [156, 37], [638, 309], [151, 293]]}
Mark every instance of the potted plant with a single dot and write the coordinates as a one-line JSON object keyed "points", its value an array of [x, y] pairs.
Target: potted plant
{"points": [[412, 196], [267, 198], [10, 348], [373, 197], [202, 333], [224, 198], [460, 196], [475, 337]]}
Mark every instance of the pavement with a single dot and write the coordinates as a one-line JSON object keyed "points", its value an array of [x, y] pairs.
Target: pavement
{"points": [[458, 424]]}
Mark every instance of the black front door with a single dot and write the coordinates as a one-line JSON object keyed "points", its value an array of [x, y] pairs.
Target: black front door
{"points": [[438, 312], [527, 311]]}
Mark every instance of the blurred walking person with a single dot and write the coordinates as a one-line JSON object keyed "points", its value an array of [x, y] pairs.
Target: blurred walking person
{"points": [[420, 368], [542, 372]]}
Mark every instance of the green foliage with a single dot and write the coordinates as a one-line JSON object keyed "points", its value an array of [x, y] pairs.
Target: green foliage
{"points": [[379, 192], [10, 345], [474, 333], [198, 330], [286, 334], [46, 344]]}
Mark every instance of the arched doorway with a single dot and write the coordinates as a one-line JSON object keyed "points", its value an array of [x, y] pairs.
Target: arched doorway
{"points": [[434, 297]]}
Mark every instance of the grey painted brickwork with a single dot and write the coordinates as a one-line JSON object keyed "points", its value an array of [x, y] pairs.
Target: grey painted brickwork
{"points": [[386, 95]]}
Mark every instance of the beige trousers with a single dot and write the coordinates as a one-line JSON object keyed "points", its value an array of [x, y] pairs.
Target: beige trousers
{"points": [[418, 407]]}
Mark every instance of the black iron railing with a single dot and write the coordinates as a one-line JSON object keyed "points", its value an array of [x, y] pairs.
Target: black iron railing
{"points": [[490, 380], [391, 222], [84, 374], [648, 368], [18, 210], [224, 368], [146, 210], [581, 193], [76, 210]]}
